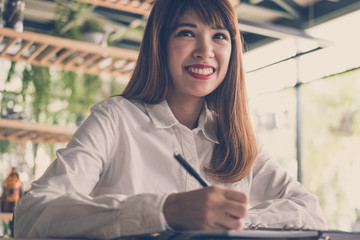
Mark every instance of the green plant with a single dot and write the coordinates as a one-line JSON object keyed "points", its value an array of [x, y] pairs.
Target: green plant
{"points": [[67, 14], [91, 25], [11, 72], [6, 146], [40, 78]]}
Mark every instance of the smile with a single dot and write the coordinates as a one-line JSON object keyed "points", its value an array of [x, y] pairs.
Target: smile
{"points": [[200, 70]]}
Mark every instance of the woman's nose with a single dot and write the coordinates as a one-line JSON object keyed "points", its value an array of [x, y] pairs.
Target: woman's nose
{"points": [[204, 50]]}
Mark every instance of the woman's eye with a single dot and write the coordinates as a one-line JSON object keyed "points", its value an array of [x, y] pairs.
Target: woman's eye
{"points": [[185, 33], [220, 36]]}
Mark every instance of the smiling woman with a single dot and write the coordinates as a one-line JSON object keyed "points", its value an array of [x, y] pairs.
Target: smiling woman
{"points": [[198, 58], [188, 96], [153, 80]]}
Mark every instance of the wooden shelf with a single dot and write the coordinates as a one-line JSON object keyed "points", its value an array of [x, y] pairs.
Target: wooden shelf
{"points": [[141, 7], [27, 131], [45, 50]]}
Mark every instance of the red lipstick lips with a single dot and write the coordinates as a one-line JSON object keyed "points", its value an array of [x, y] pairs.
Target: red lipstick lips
{"points": [[200, 71]]}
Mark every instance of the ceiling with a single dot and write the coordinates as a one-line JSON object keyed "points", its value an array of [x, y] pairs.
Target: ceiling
{"points": [[261, 21]]}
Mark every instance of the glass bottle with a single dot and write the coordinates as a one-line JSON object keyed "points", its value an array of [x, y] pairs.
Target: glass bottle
{"points": [[12, 190]]}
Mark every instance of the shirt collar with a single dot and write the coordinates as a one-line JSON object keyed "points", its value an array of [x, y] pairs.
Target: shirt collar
{"points": [[207, 124], [162, 117]]}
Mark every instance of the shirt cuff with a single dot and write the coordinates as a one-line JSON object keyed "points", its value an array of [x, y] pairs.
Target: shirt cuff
{"points": [[162, 216], [142, 214]]}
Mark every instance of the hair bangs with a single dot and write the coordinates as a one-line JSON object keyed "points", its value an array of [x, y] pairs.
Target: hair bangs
{"points": [[214, 13]]}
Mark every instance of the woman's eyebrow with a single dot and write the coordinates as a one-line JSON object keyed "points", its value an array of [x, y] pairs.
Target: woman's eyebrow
{"points": [[185, 24], [219, 28], [192, 25]]}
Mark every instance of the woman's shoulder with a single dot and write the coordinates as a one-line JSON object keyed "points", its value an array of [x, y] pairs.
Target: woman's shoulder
{"points": [[119, 108], [117, 103], [265, 162], [116, 100]]}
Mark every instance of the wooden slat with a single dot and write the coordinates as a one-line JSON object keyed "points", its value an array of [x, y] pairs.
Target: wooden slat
{"points": [[25, 131], [133, 6], [74, 59], [23, 48], [93, 68], [63, 55], [49, 55], [11, 43], [47, 46], [110, 66], [87, 61], [142, 7], [38, 50]]}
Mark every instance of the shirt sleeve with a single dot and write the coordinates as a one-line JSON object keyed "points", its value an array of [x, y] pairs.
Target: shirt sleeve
{"points": [[60, 203], [277, 200]]}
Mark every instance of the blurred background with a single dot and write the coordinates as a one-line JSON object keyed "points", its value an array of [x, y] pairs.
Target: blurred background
{"points": [[302, 68]]}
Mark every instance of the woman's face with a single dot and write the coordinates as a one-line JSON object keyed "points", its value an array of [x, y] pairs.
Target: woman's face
{"points": [[198, 57]]}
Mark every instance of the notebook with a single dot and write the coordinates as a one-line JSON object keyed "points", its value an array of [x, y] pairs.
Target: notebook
{"points": [[264, 234], [251, 234]]}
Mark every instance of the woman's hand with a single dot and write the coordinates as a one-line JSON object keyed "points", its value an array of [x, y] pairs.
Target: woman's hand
{"points": [[209, 208]]}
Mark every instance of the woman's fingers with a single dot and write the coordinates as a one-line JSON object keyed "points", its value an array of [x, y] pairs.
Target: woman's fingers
{"points": [[235, 209], [231, 224], [236, 196], [207, 208], [232, 203]]}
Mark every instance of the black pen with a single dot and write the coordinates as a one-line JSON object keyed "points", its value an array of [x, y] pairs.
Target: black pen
{"points": [[189, 169]]}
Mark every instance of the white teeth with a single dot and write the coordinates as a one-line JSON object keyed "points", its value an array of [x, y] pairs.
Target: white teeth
{"points": [[201, 71]]}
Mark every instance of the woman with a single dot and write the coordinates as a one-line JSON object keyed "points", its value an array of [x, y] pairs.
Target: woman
{"points": [[117, 176]]}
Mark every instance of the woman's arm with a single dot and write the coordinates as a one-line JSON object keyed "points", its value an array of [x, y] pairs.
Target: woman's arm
{"points": [[277, 200], [61, 203]]}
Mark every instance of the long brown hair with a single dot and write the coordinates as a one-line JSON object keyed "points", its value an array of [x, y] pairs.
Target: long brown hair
{"points": [[237, 150]]}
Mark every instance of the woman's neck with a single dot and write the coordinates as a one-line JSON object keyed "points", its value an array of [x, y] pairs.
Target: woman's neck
{"points": [[186, 111]]}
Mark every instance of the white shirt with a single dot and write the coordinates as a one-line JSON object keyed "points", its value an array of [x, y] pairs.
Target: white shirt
{"points": [[115, 173]]}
